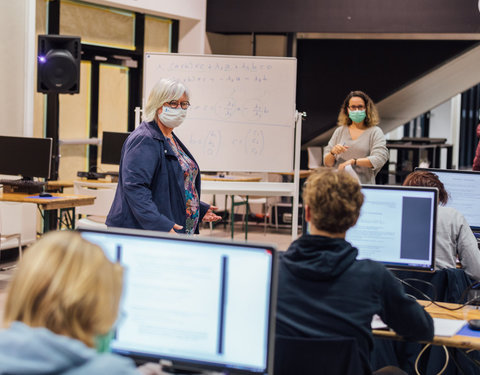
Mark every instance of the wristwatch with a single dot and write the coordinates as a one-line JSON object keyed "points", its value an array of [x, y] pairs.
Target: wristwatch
{"points": [[354, 161]]}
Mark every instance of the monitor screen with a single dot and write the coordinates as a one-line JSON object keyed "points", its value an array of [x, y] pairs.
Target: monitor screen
{"points": [[112, 144], [202, 304], [25, 156], [463, 192], [397, 227]]}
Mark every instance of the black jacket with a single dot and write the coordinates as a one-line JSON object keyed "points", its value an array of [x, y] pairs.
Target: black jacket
{"points": [[324, 291]]}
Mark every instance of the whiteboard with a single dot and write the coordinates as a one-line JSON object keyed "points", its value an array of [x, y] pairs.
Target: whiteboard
{"points": [[242, 114]]}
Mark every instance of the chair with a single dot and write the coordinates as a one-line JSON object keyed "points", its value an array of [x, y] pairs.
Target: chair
{"points": [[239, 200], [449, 285], [10, 228], [315, 356], [97, 212]]}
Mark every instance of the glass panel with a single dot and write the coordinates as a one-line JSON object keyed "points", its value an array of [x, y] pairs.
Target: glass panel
{"points": [[74, 123], [157, 34], [98, 25], [113, 105]]}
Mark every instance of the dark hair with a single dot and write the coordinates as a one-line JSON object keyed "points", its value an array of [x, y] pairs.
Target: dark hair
{"points": [[428, 179], [372, 118]]}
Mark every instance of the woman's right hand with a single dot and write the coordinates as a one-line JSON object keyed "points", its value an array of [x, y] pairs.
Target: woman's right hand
{"points": [[338, 149], [177, 227]]}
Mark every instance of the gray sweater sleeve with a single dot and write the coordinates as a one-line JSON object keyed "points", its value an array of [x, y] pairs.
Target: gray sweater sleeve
{"points": [[378, 149], [467, 249]]}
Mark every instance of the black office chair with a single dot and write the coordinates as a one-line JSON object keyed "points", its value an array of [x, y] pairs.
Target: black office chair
{"points": [[448, 286], [315, 356]]}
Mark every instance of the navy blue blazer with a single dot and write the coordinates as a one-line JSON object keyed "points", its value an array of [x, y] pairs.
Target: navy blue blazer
{"points": [[151, 191]]}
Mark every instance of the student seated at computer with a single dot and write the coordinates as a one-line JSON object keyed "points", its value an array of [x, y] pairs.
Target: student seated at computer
{"points": [[324, 291], [60, 309], [454, 237]]}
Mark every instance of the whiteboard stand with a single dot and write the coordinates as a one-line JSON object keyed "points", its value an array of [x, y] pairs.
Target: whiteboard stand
{"points": [[296, 172], [137, 110]]}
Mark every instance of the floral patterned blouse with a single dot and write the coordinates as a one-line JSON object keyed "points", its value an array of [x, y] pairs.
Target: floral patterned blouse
{"points": [[190, 172]]}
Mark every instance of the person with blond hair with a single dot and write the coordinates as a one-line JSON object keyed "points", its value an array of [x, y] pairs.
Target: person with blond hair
{"points": [[323, 291], [454, 239], [159, 180], [62, 303], [358, 141]]}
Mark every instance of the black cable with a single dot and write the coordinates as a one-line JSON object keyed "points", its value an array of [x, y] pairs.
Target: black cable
{"points": [[435, 294], [428, 298]]}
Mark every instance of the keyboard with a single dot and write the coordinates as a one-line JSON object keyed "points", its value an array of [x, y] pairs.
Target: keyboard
{"points": [[22, 186]]}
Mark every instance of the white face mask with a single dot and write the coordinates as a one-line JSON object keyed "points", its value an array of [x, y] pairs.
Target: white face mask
{"points": [[172, 117]]}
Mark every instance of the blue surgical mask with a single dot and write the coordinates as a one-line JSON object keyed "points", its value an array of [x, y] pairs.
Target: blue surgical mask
{"points": [[357, 116], [172, 117]]}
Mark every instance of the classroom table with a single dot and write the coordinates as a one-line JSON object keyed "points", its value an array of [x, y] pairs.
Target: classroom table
{"points": [[264, 189], [457, 341], [50, 205]]}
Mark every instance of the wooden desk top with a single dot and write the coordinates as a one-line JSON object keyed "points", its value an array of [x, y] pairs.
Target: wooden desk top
{"points": [[304, 173], [63, 200], [457, 341], [59, 184], [231, 178]]}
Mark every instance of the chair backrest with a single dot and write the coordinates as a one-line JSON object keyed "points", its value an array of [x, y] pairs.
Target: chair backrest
{"points": [[18, 218], [315, 356], [104, 193], [449, 284]]}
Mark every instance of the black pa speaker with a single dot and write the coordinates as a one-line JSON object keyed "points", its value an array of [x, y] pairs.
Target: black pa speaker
{"points": [[58, 64]]}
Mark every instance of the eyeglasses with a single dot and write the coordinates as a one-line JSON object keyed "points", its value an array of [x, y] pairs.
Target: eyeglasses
{"points": [[176, 103], [356, 108]]}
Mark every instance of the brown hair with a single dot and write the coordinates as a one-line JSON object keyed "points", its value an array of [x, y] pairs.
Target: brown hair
{"points": [[372, 118], [66, 284], [427, 179], [334, 198]]}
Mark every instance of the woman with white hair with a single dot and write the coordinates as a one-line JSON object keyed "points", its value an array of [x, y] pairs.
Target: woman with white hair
{"points": [[159, 180]]}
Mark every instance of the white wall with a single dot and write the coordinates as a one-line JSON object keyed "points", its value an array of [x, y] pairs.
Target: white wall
{"points": [[445, 123], [17, 27]]}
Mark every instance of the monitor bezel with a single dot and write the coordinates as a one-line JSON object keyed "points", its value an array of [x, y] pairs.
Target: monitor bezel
{"points": [[27, 175], [195, 365], [103, 155], [392, 266], [454, 171]]}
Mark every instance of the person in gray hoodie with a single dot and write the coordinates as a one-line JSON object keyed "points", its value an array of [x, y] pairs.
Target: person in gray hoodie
{"points": [[62, 303], [324, 291]]}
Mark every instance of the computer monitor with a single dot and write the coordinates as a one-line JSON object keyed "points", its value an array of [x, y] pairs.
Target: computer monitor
{"points": [[25, 156], [397, 227], [463, 192], [112, 143], [200, 303]]}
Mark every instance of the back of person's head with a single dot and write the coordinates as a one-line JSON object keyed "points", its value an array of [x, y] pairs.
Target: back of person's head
{"points": [[163, 91], [372, 118], [334, 198], [66, 284], [427, 179]]}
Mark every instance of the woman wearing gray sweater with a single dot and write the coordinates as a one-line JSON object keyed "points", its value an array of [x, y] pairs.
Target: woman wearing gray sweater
{"points": [[455, 239], [358, 141]]}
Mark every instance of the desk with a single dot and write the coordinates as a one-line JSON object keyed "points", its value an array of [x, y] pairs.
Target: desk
{"points": [[264, 189], [50, 206], [456, 341], [58, 185], [231, 178]]}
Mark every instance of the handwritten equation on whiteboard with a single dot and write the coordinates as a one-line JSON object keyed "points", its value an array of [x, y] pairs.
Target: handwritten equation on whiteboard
{"points": [[251, 144], [242, 113]]}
